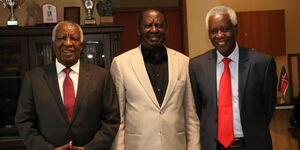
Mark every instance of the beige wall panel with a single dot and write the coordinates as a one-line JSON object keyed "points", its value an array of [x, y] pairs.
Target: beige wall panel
{"points": [[197, 33]]}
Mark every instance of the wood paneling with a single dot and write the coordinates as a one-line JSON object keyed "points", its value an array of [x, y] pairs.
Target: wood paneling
{"points": [[263, 31], [129, 38], [291, 74]]}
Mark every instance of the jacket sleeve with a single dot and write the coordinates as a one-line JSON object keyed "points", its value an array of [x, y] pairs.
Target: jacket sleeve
{"points": [[191, 118], [119, 143], [27, 120], [270, 92]]}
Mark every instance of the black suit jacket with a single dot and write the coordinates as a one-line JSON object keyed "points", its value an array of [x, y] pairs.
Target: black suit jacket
{"points": [[257, 97], [41, 118]]}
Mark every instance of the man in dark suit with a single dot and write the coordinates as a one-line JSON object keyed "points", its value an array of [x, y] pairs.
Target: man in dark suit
{"points": [[68, 110], [234, 89]]}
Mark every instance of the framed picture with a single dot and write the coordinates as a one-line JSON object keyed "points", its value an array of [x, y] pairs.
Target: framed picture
{"points": [[72, 14], [49, 13]]}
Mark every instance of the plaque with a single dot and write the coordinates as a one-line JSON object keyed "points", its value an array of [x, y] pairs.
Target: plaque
{"points": [[49, 14], [105, 11]]}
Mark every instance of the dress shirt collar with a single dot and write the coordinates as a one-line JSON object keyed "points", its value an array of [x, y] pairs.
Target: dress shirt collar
{"points": [[234, 56], [60, 67]]}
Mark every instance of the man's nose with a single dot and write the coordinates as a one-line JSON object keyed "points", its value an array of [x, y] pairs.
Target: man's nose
{"points": [[154, 28], [220, 34], [68, 41]]}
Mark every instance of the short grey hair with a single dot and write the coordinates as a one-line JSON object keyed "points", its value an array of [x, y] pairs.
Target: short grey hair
{"points": [[222, 10], [63, 22]]}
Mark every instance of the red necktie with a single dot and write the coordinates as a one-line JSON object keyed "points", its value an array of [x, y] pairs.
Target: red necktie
{"points": [[225, 122], [69, 94]]}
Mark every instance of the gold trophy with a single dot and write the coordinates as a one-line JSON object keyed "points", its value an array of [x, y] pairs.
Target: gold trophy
{"points": [[12, 4], [89, 6]]}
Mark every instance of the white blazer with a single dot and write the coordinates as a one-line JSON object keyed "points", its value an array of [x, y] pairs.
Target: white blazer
{"points": [[145, 125]]}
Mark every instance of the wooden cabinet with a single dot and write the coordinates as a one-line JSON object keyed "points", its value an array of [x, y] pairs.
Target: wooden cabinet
{"points": [[263, 31], [24, 48]]}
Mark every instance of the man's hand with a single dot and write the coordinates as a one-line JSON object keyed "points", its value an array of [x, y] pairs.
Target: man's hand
{"points": [[75, 147], [64, 147]]}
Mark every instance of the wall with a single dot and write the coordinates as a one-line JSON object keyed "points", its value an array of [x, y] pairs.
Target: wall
{"points": [[197, 33]]}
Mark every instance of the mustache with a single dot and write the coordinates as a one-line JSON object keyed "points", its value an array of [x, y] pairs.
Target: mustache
{"points": [[156, 35]]}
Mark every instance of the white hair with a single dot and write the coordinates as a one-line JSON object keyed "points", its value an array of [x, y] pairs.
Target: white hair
{"points": [[63, 22], [221, 10]]}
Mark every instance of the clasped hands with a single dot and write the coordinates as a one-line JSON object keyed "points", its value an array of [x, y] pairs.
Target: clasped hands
{"points": [[69, 146]]}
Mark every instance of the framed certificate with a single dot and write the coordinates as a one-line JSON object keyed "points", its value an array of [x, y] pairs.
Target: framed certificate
{"points": [[49, 13]]}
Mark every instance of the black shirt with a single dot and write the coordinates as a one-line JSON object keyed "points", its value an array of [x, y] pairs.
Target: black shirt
{"points": [[156, 63]]}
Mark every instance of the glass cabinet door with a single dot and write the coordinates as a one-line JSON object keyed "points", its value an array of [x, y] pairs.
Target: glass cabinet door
{"points": [[96, 50], [13, 64], [41, 52], [93, 52]]}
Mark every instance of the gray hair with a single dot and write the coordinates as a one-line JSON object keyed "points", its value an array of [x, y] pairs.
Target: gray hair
{"points": [[221, 10], [63, 22]]}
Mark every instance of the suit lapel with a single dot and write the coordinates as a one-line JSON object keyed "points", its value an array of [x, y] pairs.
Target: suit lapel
{"points": [[212, 78], [139, 69], [83, 81], [244, 68], [173, 75], [52, 82]]}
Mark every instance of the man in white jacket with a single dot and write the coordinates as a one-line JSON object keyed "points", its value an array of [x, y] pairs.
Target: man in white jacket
{"points": [[155, 97]]}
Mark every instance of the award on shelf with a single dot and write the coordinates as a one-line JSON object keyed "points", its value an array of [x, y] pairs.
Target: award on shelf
{"points": [[105, 11], [12, 21], [49, 14], [89, 6]]}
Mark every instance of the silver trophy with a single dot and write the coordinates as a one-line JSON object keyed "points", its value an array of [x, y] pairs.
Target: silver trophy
{"points": [[12, 4], [89, 6]]}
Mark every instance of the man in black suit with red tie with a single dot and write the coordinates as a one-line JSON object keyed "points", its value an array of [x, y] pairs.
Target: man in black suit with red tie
{"points": [[69, 104], [234, 89]]}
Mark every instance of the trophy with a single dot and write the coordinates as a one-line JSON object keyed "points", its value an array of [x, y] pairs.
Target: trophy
{"points": [[12, 4], [89, 5]]}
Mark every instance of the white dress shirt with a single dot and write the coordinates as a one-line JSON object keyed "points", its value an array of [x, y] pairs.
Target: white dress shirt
{"points": [[234, 75], [74, 75]]}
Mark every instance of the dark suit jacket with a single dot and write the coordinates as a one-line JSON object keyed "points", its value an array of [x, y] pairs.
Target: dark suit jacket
{"points": [[257, 97], [41, 118]]}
